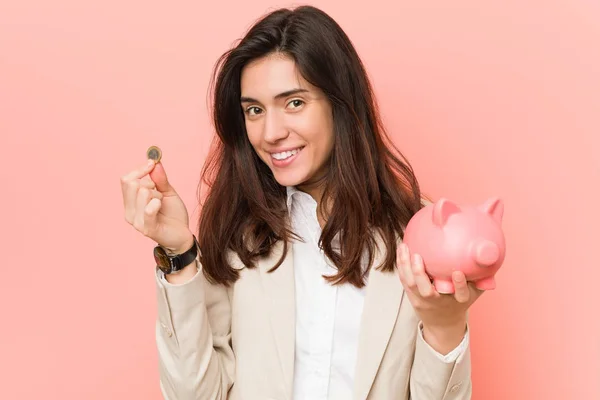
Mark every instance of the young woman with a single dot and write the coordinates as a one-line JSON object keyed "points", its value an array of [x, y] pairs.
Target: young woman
{"points": [[297, 285]]}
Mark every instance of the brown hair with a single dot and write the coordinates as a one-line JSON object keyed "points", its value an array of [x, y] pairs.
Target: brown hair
{"points": [[369, 184]]}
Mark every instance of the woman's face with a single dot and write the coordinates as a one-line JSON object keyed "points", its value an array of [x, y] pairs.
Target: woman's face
{"points": [[289, 121]]}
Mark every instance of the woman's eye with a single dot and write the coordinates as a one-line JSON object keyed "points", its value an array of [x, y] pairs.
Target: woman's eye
{"points": [[296, 103], [253, 110]]}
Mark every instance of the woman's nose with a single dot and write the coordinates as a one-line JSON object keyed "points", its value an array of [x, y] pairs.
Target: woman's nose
{"points": [[274, 128]]}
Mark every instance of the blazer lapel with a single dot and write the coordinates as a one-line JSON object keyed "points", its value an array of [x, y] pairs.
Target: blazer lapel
{"points": [[382, 303], [279, 289]]}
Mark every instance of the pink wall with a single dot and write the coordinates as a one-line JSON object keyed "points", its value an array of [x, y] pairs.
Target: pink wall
{"points": [[486, 98]]}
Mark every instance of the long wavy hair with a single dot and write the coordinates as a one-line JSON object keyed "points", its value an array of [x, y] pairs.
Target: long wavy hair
{"points": [[369, 187]]}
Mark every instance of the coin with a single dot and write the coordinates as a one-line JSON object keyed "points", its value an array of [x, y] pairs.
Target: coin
{"points": [[154, 153]]}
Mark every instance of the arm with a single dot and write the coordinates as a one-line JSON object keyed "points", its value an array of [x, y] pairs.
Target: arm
{"points": [[444, 324], [435, 376], [193, 336]]}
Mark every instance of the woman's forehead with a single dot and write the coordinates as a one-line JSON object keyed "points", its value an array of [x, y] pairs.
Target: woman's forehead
{"points": [[270, 76]]}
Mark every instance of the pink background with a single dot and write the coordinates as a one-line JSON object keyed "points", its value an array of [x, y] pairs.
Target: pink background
{"points": [[485, 97]]}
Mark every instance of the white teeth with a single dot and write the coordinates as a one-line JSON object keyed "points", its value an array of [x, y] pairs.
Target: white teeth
{"points": [[284, 154]]}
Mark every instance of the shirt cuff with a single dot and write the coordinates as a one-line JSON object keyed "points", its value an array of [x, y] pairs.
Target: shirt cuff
{"points": [[454, 354], [161, 276]]}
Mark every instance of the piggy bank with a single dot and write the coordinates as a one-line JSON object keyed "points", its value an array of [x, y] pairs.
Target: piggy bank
{"points": [[450, 237]]}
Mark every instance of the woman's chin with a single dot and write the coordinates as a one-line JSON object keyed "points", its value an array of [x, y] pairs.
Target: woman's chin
{"points": [[289, 179]]}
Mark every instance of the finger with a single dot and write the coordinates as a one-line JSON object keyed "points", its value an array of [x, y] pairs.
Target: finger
{"points": [[474, 291], [422, 280], [159, 177], [130, 196], [156, 194], [399, 262], [405, 267], [151, 211], [141, 201], [144, 197], [130, 185], [139, 172], [130, 191], [147, 182], [461, 289]]}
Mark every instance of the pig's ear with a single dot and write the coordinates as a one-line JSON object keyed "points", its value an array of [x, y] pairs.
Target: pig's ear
{"points": [[442, 209], [493, 207]]}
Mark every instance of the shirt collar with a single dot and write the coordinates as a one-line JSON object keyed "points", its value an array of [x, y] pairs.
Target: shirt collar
{"points": [[296, 195], [291, 190]]}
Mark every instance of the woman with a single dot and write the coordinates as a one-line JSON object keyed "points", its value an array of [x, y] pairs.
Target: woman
{"points": [[301, 288]]}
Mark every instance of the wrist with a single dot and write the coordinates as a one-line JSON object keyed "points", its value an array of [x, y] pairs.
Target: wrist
{"points": [[182, 276], [189, 242], [445, 338]]}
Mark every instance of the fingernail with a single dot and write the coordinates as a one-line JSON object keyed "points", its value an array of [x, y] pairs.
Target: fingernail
{"points": [[150, 162]]}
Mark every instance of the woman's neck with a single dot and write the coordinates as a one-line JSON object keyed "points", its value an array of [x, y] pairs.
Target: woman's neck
{"points": [[316, 192]]}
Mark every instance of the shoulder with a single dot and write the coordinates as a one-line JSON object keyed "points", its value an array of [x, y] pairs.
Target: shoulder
{"points": [[425, 201], [234, 260]]}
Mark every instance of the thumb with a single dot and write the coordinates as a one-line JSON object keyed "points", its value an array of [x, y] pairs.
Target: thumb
{"points": [[159, 176]]}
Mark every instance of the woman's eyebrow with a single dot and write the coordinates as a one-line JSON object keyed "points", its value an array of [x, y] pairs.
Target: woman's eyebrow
{"points": [[287, 93]]}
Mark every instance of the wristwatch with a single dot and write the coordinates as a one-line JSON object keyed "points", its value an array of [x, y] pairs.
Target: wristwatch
{"points": [[169, 263]]}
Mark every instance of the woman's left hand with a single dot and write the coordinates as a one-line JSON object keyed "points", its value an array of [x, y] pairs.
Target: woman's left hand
{"points": [[444, 316]]}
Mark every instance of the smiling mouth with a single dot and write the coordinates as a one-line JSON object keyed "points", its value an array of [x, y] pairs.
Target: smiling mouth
{"points": [[284, 155]]}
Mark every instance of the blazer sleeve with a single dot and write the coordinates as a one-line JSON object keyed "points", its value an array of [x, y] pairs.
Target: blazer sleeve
{"points": [[193, 337], [433, 378]]}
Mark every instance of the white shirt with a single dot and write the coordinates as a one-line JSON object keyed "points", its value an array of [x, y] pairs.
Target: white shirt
{"points": [[327, 317]]}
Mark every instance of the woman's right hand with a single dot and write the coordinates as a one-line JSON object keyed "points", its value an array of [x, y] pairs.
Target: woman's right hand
{"points": [[155, 209]]}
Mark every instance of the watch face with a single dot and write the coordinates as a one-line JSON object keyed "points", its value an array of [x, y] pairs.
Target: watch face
{"points": [[162, 260]]}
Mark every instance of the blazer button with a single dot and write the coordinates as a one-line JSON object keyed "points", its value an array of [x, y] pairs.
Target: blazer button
{"points": [[455, 388], [168, 331]]}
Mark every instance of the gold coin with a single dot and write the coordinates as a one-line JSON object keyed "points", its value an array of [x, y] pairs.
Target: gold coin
{"points": [[154, 153]]}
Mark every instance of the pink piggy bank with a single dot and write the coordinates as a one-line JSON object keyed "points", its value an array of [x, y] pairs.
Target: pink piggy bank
{"points": [[465, 238]]}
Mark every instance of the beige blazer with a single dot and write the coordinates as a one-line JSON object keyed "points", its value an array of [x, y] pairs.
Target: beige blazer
{"points": [[238, 343]]}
